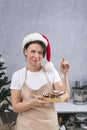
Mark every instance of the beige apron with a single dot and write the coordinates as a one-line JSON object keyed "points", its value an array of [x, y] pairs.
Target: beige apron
{"points": [[39, 117]]}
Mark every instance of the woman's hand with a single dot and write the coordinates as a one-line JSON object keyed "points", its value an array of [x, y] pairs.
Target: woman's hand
{"points": [[64, 67], [39, 100]]}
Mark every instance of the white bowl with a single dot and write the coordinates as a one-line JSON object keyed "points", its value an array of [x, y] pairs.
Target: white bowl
{"points": [[81, 117], [83, 126]]}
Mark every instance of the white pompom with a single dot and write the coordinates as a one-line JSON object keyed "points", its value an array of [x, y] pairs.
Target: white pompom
{"points": [[48, 66]]}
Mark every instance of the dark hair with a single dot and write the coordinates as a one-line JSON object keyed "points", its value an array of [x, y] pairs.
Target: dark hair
{"points": [[39, 42]]}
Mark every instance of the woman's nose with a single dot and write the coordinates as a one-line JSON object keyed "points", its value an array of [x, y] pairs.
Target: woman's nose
{"points": [[36, 54]]}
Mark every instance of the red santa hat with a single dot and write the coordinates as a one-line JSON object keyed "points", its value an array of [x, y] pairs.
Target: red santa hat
{"points": [[40, 37]]}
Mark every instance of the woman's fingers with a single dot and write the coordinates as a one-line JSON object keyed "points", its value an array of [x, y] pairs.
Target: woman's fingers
{"points": [[65, 63]]}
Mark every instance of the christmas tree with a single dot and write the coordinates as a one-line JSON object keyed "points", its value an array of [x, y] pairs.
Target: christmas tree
{"points": [[4, 89]]}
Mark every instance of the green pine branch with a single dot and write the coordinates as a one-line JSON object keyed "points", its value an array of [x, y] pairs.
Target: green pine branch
{"points": [[4, 81], [4, 93], [1, 65], [3, 68], [2, 74]]}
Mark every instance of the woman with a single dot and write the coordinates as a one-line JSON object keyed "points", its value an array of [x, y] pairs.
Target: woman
{"points": [[31, 82]]}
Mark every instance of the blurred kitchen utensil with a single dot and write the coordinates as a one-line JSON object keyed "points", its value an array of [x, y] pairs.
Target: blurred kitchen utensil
{"points": [[62, 127], [79, 92], [81, 117], [83, 126], [70, 125]]}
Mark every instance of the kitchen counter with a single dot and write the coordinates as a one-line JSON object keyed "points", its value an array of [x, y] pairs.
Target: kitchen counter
{"points": [[69, 107]]}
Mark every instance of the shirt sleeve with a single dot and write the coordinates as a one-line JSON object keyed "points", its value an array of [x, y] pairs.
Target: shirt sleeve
{"points": [[15, 81]]}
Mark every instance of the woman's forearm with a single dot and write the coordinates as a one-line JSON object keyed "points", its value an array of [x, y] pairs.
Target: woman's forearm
{"points": [[23, 106], [65, 83]]}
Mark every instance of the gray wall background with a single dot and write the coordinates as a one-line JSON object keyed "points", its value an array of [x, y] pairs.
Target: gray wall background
{"points": [[63, 21]]}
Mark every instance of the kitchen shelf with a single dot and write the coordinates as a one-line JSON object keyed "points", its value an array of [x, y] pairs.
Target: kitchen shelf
{"points": [[65, 117], [70, 107], [67, 109]]}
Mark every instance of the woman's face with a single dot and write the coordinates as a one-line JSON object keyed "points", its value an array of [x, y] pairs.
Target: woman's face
{"points": [[34, 54]]}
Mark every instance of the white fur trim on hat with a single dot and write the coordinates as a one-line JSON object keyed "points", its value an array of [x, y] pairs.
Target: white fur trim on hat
{"points": [[48, 66], [33, 37]]}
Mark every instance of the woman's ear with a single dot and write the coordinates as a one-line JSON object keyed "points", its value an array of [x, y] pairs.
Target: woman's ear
{"points": [[25, 52]]}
